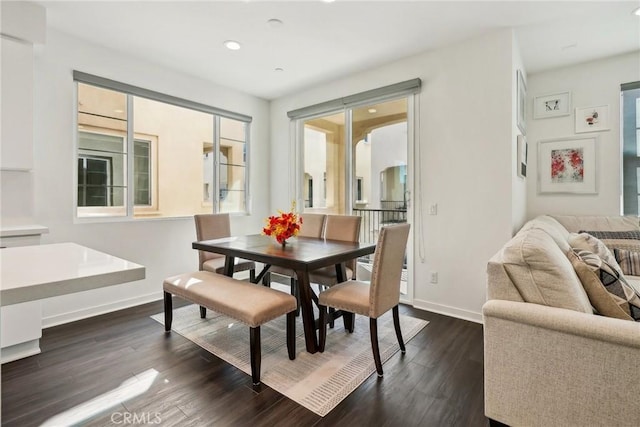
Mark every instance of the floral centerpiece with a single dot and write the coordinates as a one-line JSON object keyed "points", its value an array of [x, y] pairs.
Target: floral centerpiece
{"points": [[284, 225]]}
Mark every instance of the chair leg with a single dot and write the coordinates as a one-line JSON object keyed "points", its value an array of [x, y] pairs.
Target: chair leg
{"points": [[203, 312], [396, 324], [291, 334], [252, 275], [254, 347], [295, 291], [168, 311], [349, 320], [331, 319], [373, 329], [323, 328]]}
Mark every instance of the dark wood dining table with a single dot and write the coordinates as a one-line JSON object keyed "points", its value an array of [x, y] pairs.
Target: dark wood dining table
{"points": [[301, 254]]}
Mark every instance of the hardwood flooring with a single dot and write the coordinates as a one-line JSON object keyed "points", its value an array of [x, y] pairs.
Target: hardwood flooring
{"points": [[95, 362]]}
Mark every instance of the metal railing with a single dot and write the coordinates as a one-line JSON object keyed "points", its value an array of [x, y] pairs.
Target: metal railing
{"points": [[374, 219]]}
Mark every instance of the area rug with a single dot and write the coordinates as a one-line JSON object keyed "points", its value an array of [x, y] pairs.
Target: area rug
{"points": [[320, 381]]}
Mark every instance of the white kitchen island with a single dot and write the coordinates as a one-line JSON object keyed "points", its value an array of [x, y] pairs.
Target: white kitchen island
{"points": [[31, 273]]}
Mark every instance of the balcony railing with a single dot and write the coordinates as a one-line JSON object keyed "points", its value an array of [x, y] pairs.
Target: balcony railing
{"points": [[392, 212]]}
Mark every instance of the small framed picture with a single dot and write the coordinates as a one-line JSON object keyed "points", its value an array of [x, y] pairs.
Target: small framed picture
{"points": [[552, 105], [592, 119], [522, 102], [567, 165], [523, 151]]}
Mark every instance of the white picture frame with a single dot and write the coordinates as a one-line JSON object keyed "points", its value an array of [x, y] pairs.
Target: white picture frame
{"points": [[568, 165], [592, 119], [522, 155], [552, 105], [521, 103]]}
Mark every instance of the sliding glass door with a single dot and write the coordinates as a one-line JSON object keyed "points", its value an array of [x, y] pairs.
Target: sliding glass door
{"points": [[355, 163]]}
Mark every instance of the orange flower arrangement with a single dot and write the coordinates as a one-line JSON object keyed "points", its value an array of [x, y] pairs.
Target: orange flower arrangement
{"points": [[283, 226]]}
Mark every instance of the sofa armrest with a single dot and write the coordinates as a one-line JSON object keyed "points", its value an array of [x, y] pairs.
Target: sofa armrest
{"points": [[550, 366]]}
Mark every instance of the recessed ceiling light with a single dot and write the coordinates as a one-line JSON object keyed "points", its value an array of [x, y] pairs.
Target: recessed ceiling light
{"points": [[372, 110], [328, 1], [637, 11], [274, 23], [279, 69], [232, 44], [118, 111]]}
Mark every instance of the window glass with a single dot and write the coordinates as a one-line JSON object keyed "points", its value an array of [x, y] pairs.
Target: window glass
{"points": [[631, 151], [173, 170]]}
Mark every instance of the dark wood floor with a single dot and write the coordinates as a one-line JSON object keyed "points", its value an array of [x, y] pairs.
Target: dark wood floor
{"points": [[439, 382]]}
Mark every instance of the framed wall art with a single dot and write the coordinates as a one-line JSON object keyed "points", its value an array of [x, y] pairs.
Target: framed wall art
{"points": [[592, 119], [522, 154], [552, 105], [567, 165], [522, 102]]}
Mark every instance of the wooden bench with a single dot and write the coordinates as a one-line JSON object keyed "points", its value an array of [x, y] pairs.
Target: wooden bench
{"points": [[250, 304]]}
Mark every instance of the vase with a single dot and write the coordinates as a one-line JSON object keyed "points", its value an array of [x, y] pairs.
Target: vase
{"points": [[284, 243]]}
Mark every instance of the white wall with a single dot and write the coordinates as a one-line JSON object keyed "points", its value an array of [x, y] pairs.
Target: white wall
{"points": [[162, 246], [518, 184], [591, 84], [466, 138]]}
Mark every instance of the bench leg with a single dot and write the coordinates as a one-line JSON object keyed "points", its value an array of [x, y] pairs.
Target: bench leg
{"points": [[254, 347], [203, 312], [291, 334], [252, 275], [168, 311]]}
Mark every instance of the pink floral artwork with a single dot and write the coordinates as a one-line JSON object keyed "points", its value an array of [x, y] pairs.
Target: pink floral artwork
{"points": [[567, 165]]}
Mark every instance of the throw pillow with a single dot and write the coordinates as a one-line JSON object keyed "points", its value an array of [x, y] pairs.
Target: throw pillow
{"points": [[631, 234], [607, 290], [626, 244], [629, 261], [587, 242]]}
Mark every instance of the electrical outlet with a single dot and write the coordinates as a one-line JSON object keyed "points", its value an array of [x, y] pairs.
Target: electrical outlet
{"points": [[433, 209], [434, 277]]}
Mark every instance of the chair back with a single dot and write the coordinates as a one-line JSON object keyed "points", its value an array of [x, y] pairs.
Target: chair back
{"points": [[345, 228], [209, 227], [312, 225], [387, 269]]}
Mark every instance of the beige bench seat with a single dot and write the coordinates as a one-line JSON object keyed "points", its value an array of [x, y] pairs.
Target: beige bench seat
{"points": [[250, 304]]}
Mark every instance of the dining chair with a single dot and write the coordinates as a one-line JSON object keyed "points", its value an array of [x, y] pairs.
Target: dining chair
{"points": [[312, 226], [217, 226], [375, 298], [345, 228]]}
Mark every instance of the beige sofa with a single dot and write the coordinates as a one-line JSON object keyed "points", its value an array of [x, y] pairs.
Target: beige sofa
{"points": [[549, 361]]}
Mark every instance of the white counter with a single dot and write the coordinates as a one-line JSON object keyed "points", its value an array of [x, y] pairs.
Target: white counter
{"points": [[35, 272], [31, 273]]}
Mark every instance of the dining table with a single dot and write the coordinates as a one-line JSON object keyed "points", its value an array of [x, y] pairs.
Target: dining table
{"points": [[301, 254]]}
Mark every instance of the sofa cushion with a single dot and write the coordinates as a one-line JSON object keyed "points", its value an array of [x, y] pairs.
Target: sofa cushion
{"points": [[629, 261], [550, 226], [575, 223], [542, 273], [608, 291], [587, 242]]}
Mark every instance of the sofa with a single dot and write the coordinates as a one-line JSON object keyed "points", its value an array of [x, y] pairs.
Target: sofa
{"points": [[549, 360]]}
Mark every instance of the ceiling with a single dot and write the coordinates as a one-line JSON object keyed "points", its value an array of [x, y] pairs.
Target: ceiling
{"points": [[320, 41]]}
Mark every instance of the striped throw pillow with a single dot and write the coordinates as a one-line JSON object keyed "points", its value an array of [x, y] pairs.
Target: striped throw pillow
{"points": [[629, 261]]}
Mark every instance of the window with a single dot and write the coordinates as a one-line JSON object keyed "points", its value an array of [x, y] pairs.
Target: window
{"points": [[145, 154], [631, 148]]}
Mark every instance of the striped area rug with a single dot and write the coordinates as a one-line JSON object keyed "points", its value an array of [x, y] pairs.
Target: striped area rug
{"points": [[318, 381]]}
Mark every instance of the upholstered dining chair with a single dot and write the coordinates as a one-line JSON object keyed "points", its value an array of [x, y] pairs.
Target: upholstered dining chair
{"points": [[345, 228], [312, 226], [217, 226], [375, 298]]}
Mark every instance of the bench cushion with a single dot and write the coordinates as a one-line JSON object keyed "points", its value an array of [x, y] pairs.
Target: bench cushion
{"points": [[249, 303]]}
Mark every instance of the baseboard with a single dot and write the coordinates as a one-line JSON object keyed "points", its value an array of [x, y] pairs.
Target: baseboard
{"points": [[19, 351], [448, 311], [97, 310]]}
